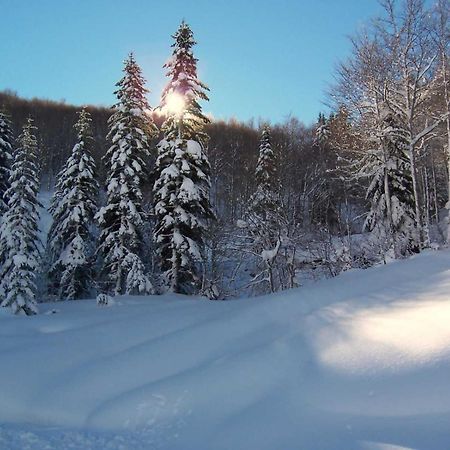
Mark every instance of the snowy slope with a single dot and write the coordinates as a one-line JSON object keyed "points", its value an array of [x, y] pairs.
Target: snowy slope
{"points": [[361, 361]]}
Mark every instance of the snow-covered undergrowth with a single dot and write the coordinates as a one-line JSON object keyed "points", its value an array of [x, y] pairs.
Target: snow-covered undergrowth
{"points": [[360, 361]]}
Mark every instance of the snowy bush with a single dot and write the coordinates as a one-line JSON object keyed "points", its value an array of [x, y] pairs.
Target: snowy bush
{"points": [[104, 300]]}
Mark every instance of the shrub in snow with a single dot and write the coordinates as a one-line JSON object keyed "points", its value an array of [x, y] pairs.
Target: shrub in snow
{"points": [[19, 245], [122, 218], [104, 300], [137, 281]]}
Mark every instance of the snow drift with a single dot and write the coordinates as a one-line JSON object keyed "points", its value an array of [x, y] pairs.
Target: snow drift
{"points": [[361, 361]]}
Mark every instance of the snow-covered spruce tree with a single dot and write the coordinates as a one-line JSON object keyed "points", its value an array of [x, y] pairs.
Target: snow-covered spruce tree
{"points": [[322, 130], [264, 221], [392, 216], [6, 140], [181, 191], [121, 220], [19, 244], [70, 240], [180, 98]]}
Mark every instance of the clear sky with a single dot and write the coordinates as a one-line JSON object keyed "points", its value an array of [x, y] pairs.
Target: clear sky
{"points": [[263, 59]]}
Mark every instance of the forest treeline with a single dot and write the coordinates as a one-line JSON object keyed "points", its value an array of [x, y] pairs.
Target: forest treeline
{"points": [[233, 151]]}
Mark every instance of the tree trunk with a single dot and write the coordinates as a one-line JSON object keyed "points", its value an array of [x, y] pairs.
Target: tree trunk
{"points": [[412, 159]]}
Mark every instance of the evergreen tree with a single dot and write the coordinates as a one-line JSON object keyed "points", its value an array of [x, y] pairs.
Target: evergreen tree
{"points": [[322, 130], [73, 206], [5, 159], [181, 191], [264, 206], [122, 219], [392, 216], [19, 245], [264, 216]]}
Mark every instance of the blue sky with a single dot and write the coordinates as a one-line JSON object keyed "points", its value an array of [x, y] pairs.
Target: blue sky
{"points": [[262, 59]]}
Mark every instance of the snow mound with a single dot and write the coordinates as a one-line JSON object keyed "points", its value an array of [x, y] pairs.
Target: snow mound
{"points": [[357, 362]]}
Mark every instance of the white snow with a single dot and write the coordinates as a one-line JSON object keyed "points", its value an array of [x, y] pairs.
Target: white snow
{"points": [[361, 361], [193, 147]]}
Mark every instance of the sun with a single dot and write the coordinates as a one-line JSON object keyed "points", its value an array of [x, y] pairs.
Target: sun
{"points": [[175, 103]]}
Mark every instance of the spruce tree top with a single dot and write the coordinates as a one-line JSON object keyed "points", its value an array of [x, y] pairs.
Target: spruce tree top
{"points": [[264, 204], [131, 91], [322, 130], [266, 172], [24, 181], [28, 148], [131, 127], [182, 70], [24, 177], [80, 164], [76, 188], [83, 127]]}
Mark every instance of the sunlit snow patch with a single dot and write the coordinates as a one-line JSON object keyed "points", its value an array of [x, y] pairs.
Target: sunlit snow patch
{"points": [[387, 339]]}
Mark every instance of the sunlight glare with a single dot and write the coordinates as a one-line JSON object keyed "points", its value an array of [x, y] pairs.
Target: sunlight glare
{"points": [[175, 103]]}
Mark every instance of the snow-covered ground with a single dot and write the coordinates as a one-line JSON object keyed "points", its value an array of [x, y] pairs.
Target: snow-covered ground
{"points": [[361, 361]]}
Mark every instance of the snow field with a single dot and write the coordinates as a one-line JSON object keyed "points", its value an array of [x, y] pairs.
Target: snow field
{"points": [[360, 361]]}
